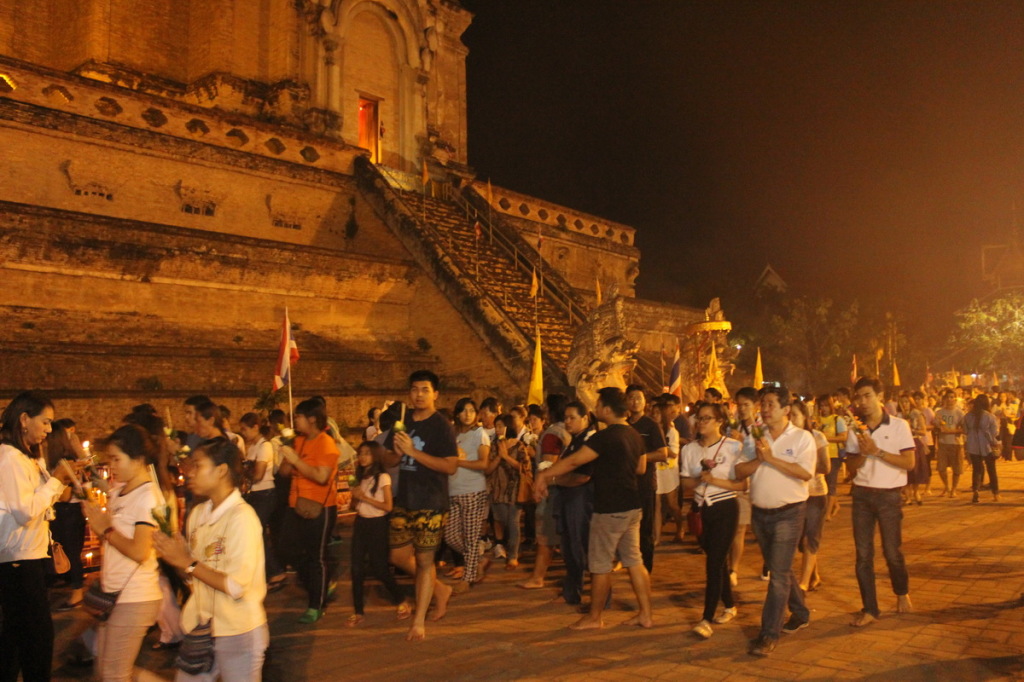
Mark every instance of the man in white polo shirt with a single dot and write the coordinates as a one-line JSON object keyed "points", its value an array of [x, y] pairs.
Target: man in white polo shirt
{"points": [[881, 454], [779, 469]]}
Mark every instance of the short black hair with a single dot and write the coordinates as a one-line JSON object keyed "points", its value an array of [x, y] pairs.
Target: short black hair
{"points": [[780, 392], [490, 403], [314, 410], [635, 387], [535, 410], [580, 408], [196, 400], [425, 375], [669, 399], [614, 399], [873, 382], [714, 391], [748, 392], [556, 403]]}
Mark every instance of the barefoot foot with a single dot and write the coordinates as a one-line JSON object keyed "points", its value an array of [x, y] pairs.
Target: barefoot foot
{"points": [[416, 633], [863, 618], [442, 593], [903, 604], [587, 623], [640, 620], [532, 584]]}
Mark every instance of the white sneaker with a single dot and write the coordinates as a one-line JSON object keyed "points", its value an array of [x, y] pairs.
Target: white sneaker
{"points": [[726, 615], [499, 552], [733, 579], [483, 545], [703, 629]]}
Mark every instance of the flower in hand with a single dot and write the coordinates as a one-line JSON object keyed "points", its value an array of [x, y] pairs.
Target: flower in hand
{"points": [[172, 549]]}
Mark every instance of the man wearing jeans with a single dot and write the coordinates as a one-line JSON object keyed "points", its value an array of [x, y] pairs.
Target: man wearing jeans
{"points": [[618, 457], [779, 469], [881, 450]]}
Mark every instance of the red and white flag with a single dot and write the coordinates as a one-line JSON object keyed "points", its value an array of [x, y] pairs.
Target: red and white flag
{"points": [[287, 355], [675, 377]]}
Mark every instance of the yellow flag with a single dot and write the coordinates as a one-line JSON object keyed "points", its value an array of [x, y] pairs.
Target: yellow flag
{"points": [[597, 289], [535, 396], [533, 285], [758, 373], [895, 375]]}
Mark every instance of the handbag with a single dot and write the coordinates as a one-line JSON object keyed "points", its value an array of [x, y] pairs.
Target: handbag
{"points": [[61, 563], [195, 655], [694, 522], [100, 604], [525, 493]]}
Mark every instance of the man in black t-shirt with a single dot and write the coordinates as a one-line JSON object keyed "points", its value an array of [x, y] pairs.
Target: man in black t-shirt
{"points": [[657, 451], [618, 458], [425, 451], [574, 505]]}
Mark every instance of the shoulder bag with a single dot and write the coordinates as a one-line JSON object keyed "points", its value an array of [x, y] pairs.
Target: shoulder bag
{"points": [[196, 655], [100, 604]]}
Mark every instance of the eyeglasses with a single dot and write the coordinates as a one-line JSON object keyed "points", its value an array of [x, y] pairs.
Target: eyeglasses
{"points": [[706, 419]]}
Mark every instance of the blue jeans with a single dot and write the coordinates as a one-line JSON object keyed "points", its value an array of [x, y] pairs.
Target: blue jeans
{"points": [[886, 508], [778, 533], [508, 515], [572, 512]]}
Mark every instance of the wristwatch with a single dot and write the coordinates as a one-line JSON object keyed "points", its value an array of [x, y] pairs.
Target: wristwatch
{"points": [[191, 568]]}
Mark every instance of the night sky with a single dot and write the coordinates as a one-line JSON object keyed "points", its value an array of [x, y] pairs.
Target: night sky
{"points": [[865, 149]]}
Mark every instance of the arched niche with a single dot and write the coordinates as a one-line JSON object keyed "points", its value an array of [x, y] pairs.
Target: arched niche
{"points": [[376, 55]]}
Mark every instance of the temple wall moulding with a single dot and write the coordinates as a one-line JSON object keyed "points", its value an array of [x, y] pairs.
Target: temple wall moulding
{"points": [[101, 101], [536, 210], [90, 181]]}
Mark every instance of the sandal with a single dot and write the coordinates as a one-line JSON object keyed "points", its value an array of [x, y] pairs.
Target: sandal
{"points": [[353, 620], [404, 611], [165, 646]]}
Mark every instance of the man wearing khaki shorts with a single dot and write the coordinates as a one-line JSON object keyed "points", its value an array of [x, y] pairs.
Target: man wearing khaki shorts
{"points": [[618, 457], [949, 425]]}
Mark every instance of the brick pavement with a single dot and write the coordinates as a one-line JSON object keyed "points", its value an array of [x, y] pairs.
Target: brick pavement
{"points": [[966, 578]]}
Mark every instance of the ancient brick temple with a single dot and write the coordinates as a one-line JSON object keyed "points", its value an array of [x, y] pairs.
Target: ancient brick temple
{"points": [[175, 173]]}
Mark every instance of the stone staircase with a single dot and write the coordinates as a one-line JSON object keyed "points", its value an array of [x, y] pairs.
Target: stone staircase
{"points": [[487, 279], [497, 274]]}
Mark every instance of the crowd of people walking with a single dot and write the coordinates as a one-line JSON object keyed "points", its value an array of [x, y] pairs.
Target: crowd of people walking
{"points": [[197, 526]]}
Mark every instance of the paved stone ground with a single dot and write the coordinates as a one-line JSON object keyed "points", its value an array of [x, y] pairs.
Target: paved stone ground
{"points": [[966, 579]]}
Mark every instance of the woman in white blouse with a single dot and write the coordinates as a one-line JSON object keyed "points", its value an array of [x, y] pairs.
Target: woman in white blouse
{"points": [[223, 557], [129, 562], [708, 467], [27, 494]]}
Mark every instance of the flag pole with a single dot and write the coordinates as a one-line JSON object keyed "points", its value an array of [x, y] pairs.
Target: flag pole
{"points": [[291, 373]]}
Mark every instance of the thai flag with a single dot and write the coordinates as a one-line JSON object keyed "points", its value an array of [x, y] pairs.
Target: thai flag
{"points": [[287, 355], [675, 377]]}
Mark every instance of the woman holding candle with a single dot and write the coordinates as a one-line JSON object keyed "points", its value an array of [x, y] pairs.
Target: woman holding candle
{"points": [[708, 467], [27, 494], [129, 562], [68, 526], [223, 557], [312, 462]]}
